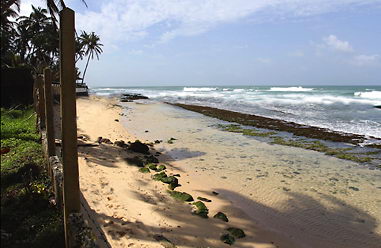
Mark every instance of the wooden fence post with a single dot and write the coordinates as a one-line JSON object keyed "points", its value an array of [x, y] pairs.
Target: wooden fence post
{"points": [[49, 114], [41, 102], [71, 192]]}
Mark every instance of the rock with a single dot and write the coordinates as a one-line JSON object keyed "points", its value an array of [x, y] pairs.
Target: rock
{"points": [[132, 97], [201, 210], [170, 180], [181, 196], [378, 106], [146, 131], [138, 146], [215, 193], [101, 140], [116, 120], [158, 141], [173, 185], [170, 141], [354, 188], [161, 167], [151, 159], [221, 216], [166, 243], [227, 239], [204, 199], [144, 170], [152, 166], [236, 232], [120, 143], [137, 161], [159, 176]]}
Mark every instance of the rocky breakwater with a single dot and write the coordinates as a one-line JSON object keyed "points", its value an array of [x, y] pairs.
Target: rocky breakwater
{"points": [[131, 97]]}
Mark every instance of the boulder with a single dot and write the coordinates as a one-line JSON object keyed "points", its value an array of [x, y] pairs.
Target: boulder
{"points": [[181, 196], [236, 232], [227, 239], [138, 146], [200, 209], [221, 216]]}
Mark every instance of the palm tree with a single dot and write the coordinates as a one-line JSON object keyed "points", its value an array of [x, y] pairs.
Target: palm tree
{"points": [[91, 45], [53, 6]]}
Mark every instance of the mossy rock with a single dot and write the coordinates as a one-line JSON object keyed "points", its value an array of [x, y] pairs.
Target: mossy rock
{"points": [[159, 176], [236, 232], [169, 180], [161, 167], [221, 216], [201, 210], [137, 161], [227, 239], [181, 196], [204, 199], [172, 186], [144, 170], [152, 166]]}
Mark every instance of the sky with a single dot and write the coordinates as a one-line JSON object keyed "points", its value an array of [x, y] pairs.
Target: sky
{"points": [[231, 42]]}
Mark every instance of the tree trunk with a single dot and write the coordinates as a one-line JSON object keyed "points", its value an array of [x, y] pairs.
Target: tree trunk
{"points": [[84, 73]]}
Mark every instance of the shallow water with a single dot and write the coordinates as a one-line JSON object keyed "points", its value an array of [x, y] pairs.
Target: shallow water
{"points": [[313, 199]]}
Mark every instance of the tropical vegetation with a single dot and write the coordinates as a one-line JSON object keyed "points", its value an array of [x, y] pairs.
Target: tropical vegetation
{"points": [[33, 41]]}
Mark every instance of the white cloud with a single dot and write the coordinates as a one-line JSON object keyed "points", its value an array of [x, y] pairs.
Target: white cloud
{"points": [[334, 43], [122, 20], [365, 60]]}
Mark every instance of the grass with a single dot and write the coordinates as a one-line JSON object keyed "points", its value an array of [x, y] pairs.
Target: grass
{"points": [[27, 217]]}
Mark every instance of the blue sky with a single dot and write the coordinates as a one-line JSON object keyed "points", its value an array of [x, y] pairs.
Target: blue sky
{"points": [[232, 42]]}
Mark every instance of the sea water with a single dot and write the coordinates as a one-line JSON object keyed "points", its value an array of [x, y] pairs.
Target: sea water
{"points": [[349, 109]]}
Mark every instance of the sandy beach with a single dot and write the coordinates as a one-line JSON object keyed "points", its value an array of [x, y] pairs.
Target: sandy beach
{"points": [[280, 196]]}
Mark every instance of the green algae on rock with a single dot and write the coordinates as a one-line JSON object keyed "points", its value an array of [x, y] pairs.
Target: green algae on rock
{"points": [[201, 210], [227, 239], [204, 199], [161, 167], [152, 166], [221, 216], [159, 176], [236, 232], [181, 196], [144, 170]]}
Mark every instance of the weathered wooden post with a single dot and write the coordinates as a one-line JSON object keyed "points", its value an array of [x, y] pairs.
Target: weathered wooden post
{"points": [[41, 102], [49, 114], [69, 119]]}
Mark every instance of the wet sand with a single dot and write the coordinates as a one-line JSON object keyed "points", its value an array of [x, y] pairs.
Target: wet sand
{"points": [[281, 196]]}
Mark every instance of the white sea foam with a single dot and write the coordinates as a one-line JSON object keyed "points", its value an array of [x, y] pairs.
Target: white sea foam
{"points": [[187, 89], [299, 88], [238, 90], [374, 94]]}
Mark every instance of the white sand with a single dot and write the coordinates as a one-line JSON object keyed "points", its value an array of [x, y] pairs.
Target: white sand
{"points": [[129, 208], [281, 196]]}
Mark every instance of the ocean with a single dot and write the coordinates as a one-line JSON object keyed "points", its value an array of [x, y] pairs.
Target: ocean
{"points": [[348, 109]]}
